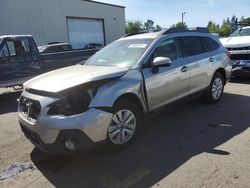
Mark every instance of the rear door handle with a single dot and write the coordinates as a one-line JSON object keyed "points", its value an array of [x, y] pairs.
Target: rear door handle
{"points": [[184, 69], [211, 59]]}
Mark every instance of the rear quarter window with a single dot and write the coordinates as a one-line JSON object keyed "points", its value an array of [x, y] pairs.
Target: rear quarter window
{"points": [[209, 44], [191, 46]]}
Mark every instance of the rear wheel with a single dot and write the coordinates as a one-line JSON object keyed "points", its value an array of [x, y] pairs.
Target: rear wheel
{"points": [[124, 124], [215, 90]]}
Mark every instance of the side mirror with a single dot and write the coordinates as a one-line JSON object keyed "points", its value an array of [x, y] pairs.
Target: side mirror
{"points": [[161, 61]]}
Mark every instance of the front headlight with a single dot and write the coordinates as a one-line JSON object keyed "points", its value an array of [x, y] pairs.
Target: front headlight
{"points": [[75, 101]]}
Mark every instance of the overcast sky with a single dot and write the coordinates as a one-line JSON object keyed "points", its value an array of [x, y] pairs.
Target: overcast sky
{"points": [[198, 12]]}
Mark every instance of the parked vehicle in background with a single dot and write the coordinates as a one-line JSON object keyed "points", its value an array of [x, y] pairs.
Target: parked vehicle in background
{"points": [[55, 47], [106, 98], [93, 45], [238, 44], [20, 59]]}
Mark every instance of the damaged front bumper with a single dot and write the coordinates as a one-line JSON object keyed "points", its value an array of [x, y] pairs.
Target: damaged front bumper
{"points": [[240, 60], [59, 133], [241, 68]]}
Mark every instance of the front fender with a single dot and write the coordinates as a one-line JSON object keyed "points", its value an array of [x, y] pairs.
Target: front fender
{"points": [[130, 83]]}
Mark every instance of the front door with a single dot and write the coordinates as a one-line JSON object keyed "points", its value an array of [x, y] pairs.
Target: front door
{"points": [[167, 83]]}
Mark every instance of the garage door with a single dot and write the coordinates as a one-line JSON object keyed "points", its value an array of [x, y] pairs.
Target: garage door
{"points": [[85, 32]]}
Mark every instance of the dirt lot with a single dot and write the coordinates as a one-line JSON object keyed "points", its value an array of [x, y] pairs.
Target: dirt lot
{"points": [[190, 144]]}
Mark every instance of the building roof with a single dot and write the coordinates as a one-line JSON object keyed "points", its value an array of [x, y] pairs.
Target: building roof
{"points": [[119, 6]]}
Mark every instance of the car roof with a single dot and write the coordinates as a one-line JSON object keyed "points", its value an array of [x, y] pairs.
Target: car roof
{"points": [[154, 35], [14, 36]]}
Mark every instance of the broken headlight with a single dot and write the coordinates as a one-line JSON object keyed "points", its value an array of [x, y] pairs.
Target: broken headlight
{"points": [[74, 101]]}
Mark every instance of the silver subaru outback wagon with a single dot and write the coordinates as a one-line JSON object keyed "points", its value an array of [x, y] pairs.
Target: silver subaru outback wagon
{"points": [[106, 97]]}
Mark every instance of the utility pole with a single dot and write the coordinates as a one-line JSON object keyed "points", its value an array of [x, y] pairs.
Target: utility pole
{"points": [[182, 17]]}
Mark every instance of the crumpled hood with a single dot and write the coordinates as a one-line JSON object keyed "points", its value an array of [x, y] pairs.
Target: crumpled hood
{"points": [[68, 77], [236, 42]]}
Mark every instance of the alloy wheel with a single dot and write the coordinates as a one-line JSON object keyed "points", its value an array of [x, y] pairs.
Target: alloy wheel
{"points": [[217, 88], [122, 126]]}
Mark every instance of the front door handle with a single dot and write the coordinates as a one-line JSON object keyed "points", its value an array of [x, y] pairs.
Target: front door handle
{"points": [[184, 69]]}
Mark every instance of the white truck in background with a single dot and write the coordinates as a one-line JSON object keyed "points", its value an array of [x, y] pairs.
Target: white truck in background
{"points": [[238, 44]]}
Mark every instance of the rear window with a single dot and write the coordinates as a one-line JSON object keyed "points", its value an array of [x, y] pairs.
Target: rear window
{"points": [[11, 47], [191, 46], [209, 44]]}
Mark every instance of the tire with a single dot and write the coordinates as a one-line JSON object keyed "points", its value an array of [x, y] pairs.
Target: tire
{"points": [[215, 90], [125, 122]]}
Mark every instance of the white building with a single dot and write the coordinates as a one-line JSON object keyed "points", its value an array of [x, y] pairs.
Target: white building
{"points": [[76, 21]]}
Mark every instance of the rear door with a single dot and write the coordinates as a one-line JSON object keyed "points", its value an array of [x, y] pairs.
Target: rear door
{"points": [[197, 62], [167, 83]]}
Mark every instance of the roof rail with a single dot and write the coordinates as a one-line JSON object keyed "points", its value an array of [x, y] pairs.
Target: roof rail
{"points": [[182, 29], [199, 29]]}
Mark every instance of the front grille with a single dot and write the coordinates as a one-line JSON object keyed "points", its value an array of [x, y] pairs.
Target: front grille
{"points": [[30, 109], [240, 56]]}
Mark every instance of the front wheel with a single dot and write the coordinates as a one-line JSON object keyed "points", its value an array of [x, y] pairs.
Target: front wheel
{"points": [[215, 90], [124, 124]]}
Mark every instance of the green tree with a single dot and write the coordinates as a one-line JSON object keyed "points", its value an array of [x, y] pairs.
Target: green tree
{"points": [[213, 28], [245, 20], [228, 25], [149, 26], [180, 24], [138, 26], [158, 28], [225, 29], [134, 27]]}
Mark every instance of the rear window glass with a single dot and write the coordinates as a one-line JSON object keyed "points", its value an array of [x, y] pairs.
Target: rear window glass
{"points": [[11, 47], [209, 44], [191, 46], [22, 47]]}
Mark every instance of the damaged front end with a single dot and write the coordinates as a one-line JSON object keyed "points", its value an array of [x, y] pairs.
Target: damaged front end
{"points": [[78, 116], [74, 101], [63, 121], [240, 59]]}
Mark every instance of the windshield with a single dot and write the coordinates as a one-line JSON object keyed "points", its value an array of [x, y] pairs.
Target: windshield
{"points": [[241, 32], [121, 53]]}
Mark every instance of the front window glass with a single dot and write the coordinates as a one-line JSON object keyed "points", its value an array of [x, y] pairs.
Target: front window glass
{"points": [[121, 53], [168, 48], [241, 32]]}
